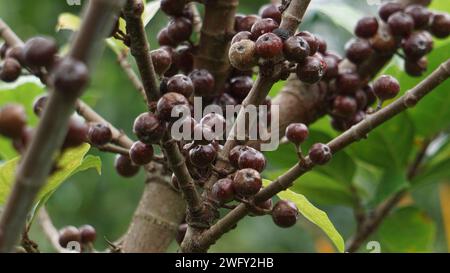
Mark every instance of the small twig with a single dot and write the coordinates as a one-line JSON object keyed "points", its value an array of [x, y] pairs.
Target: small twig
{"points": [[111, 148], [140, 49], [50, 231], [126, 66]]}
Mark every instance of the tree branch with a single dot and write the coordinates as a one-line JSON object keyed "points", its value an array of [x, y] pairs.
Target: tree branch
{"points": [[356, 133], [51, 130], [215, 40], [140, 48], [256, 96]]}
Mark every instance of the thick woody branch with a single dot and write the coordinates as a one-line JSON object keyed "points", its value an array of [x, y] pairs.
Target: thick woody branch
{"points": [[356, 133], [216, 33], [140, 49], [293, 15], [52, 128], [256, 96]]}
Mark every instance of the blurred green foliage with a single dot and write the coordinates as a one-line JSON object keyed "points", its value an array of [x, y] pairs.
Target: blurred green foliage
{"points": [[108, 201]]}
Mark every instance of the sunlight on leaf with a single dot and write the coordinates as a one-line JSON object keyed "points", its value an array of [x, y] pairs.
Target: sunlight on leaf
{"points": [[314, 215], [71, 162]]}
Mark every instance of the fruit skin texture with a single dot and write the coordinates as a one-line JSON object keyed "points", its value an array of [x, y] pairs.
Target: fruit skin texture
{"points": [[11, 70], [252, 159], [235, 153], [344, 106], [39, 104], [179, 29], [125, 167], [270, 11], [141, 153], [76, 134], [269, 46], [171, 101], [247, 182], [40, 51], [358, 50], [386, 87], [297, 133], [180, 84], [202, 156], [240, 87], [99, 134], [223, 190], [88, 234], [401, 24], [285, 214], [243, 35], [69, 234], [420, 14], [386, 10], [203, 82], [312, 41], [416, 68], [242, 55], [245, 23], [71, 77], [311, 70], [263, 26], [417, 45], [296, 49], [384, 42], [13, 120], [348, 83], [161, 59], [320, 154], [366, 27], [173, 7], [148, 128], [440, 25]]}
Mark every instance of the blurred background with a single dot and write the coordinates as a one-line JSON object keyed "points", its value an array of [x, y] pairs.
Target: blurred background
{"points": [[107, 201]]}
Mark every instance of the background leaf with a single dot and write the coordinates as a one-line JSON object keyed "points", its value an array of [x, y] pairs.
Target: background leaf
{"points": [[389, 145], [71, 162], [314, 215], [408, 229]]}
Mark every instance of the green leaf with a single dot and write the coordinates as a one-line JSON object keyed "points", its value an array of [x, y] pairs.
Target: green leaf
{"points": [[340, 14], [151, 8], [314, 215], [435, 173], [408, 229], [68, 21], [392, 182], [71, 162], [323, 190], [388, 146]]}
